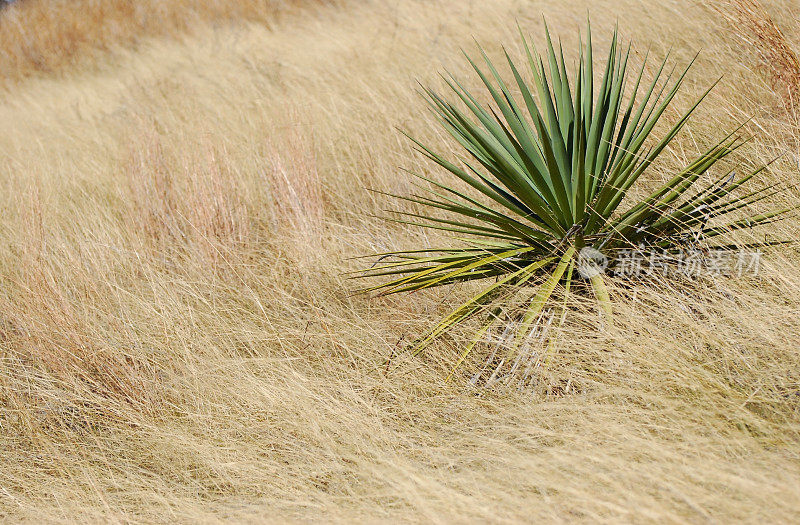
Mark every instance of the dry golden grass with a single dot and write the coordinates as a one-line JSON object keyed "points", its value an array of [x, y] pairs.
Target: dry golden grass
{"points": [[750, 21], [179, 343], [45, 35]]}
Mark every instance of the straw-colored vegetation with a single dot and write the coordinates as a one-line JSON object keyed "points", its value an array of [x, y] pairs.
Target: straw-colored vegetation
{"points": [[180, 342], [763, 38], [48, 35]]}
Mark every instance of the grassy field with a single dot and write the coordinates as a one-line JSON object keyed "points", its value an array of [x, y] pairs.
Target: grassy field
{"points": [[180, 341]]}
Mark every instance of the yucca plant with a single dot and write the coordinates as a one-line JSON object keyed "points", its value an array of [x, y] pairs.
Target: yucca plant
{"points": [[547, 168]]}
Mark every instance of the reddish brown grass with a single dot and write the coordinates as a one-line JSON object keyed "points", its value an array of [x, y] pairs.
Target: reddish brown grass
{"points": [[294, 183], [45, 35], [190, 200], [753, 24]]}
